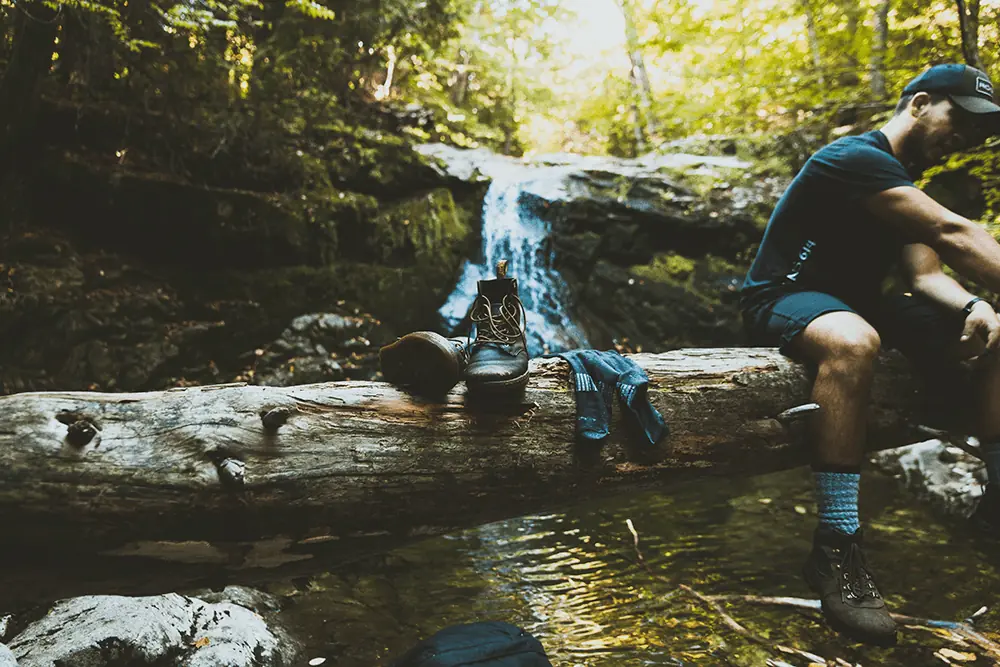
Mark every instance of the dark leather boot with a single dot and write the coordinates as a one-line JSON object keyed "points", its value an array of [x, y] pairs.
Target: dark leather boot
{"points": [[424, 362], [838, 572], [498, 355]]}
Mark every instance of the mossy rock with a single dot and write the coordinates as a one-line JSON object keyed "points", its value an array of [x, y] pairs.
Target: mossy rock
{"points": [[424, 231], [170, 221], [373, 162], [404, 298]]}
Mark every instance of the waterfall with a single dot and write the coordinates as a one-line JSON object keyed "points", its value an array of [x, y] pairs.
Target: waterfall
{"points": [[514, 233]]}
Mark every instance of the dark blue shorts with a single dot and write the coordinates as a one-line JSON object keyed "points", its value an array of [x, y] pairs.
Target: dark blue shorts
{"points": [[923, 330]]}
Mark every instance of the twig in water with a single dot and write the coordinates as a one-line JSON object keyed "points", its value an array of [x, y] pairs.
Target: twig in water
{"points": [[726, 618], [961, 629]]}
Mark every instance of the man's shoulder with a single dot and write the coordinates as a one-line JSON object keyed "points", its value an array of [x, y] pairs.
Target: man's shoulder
{"points": [[867, 144], [862, 152]]}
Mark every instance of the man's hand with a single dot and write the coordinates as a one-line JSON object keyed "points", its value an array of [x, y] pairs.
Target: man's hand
{"points": [[982, 323]]}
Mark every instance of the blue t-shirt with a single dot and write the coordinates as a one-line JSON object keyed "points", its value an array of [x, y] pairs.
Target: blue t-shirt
{"points": [[820, 236]]}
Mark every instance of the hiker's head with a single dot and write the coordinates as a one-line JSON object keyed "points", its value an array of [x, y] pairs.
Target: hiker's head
{"points": [[948, 108]]}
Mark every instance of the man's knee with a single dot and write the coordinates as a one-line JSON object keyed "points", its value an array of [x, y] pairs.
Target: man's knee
{"points": [[844, 340]]}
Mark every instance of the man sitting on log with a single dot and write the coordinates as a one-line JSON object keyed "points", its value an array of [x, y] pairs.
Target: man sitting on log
{"points": [[815, 290]]}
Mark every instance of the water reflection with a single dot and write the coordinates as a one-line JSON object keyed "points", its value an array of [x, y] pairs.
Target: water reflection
{"points": [[572, 579]]}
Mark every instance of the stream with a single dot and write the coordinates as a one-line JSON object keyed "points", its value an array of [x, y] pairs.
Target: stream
{"points": [[571, 578]]}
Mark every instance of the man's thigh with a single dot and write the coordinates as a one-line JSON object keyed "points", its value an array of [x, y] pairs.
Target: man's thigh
{"points": [[781, 321], [925, 331], [928, 334]]}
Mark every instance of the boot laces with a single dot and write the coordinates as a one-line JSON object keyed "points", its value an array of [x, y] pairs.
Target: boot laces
{"points": [[499, 324], [856, 579]]}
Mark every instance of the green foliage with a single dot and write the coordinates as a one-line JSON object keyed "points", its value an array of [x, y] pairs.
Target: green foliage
{"points": [[514, 75], [983, 165]]}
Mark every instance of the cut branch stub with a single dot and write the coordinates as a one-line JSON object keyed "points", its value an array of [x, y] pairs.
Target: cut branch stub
{"points": [[275, 418], [80, 433], [798, 412], [232, 472]]}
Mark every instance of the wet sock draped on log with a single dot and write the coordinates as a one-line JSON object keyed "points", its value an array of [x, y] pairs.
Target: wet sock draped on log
{"points": [[837, 497], [598, 376]]}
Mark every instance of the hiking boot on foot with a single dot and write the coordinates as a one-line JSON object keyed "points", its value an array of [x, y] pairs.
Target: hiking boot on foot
{"points": [[498, 356], [838, 572], [425, 362]]}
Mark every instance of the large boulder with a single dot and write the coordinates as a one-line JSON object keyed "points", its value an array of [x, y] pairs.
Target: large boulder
{"points": [[234, 628]]}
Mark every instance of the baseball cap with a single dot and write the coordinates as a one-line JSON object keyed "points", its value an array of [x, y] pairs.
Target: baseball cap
{"points": [[966, 86]]}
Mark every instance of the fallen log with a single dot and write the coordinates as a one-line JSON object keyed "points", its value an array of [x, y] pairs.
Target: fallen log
{"points": [[357, 460]]}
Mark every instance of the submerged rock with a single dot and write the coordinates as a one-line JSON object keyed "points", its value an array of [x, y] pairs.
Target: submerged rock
{"points": [[226, 629], [943, 475]]}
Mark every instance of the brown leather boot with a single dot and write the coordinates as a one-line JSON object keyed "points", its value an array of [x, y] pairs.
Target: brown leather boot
{"points": [[498, 355], [424, 362]]}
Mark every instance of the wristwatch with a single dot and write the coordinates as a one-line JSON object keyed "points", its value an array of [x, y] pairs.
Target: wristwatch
{"points": [[968, 307]]}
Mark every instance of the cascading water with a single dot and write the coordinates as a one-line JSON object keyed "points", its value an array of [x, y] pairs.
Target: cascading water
{"points": [[514, 233]]}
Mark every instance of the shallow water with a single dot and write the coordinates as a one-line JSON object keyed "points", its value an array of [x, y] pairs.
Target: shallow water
{"points": [[572, 579]]}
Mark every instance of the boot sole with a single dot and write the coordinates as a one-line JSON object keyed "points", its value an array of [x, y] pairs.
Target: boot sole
{"points": [[840, 626], [421, 362], [499, 386]]}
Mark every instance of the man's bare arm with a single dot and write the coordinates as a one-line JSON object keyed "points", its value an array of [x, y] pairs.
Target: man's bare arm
{"points": [[961, 243], [922, 268]]}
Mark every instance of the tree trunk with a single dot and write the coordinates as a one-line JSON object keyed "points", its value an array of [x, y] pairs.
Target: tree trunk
{"points": [[637, 131], [31, 57], [461, 85], [849, 74], [814, 50], [357, 461], [968, 22], [879, 48], [639, 78]]}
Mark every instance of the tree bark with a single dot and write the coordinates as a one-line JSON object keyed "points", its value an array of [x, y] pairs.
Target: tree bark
{"points": [[879, 48], [639, 77], [814, 50], [357, 459], [968, 22]]}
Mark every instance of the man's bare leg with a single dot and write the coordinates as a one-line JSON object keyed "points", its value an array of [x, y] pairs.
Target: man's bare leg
{"points": [[844, 347]]}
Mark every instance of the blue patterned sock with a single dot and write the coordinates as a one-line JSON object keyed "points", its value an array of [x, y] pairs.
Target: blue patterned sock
{"points": [[837, 497], [991, 455]]}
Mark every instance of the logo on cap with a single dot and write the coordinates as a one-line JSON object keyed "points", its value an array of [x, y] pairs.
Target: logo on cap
{"points": [[984, 86]]}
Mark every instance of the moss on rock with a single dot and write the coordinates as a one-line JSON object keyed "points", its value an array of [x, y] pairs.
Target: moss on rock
{"points": [[666, 268], [425, 231]]}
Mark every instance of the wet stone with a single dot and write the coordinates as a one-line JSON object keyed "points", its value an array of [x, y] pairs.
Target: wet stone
{"points": [[236, 629]]}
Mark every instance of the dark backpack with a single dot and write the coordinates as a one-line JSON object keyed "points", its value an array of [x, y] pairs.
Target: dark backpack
{"points": [[486, 644]]}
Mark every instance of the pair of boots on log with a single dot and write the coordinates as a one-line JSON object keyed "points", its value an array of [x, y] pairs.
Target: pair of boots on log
{"points": [[494, 361]]}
